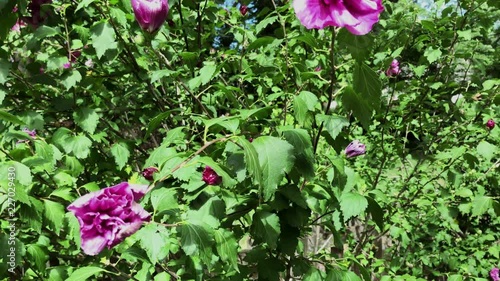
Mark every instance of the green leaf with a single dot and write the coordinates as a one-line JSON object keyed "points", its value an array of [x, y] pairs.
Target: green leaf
{"points": [[38, 255], [303, 106], [121, 154], [352, 204], [103, 38], [303, 151], [358, 46], [156, 121], [158, 74], [333, 124], [486, 150], [432, 55], [164, 199], [206, 73], [455, 277], [481, 204], [260, 42], [4, 70], [275, 158], [84, 4], [359, 106], [54, 214], [84, 273], [45, 31], [10, 118], [80, 146], [196, 239], [70, 79], [119, 16], [251, 160], [23, 176], [154, 239], [87, 119], [227, 247], [265, 22], [266, 226], [367, 84], [376, 212]]}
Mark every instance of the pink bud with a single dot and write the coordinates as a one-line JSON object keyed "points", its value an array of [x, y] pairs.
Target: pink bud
{"points": [[490, 124], [148, 173], [355, 148], [210, 177], [243, 10], [150, 14]]}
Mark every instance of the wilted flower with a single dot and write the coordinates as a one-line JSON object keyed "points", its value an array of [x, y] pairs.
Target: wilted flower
{"points": [[210, 176], [243, 10], [150, 14], [495, 274], [148, 173], [318, 68], [109, 215], [490, 124], [42, 70], [393, 69], [358, 16], [355, 148], [89, 63]]}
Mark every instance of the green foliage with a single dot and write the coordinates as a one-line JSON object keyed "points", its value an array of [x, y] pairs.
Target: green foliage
{"points": [[270, 106]]}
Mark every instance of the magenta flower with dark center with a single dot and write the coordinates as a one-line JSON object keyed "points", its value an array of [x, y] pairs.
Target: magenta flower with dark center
{"points": [[243, 10], [490, 124], [355, 148], [110, 215], [358, 16], [210, 177], [150, 14], [393, 69], [495, 274], [148, 173]]}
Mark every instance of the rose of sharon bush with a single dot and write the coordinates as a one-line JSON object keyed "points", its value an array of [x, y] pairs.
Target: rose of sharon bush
{"points": [[358, 16], [150, 14], [110, 215]]}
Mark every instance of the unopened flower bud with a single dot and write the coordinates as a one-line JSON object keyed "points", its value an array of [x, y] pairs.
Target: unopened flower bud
{"points": [[490, 124], [148, 173], [355, 148], [210, 177], [150, 14], [243, 10]]}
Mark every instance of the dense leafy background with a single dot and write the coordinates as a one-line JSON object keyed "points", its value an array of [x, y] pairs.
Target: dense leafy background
{"points": [[270, 106]]}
